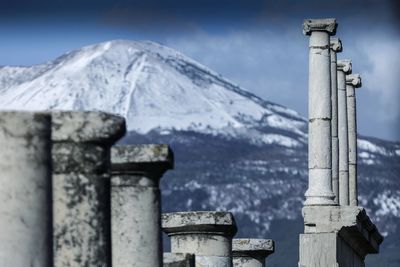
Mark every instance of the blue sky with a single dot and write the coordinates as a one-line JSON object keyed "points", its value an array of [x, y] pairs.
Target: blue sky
{"points": [[257, 44]]}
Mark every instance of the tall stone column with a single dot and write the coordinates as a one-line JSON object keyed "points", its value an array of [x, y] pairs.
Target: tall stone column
{"points": [[25, 191], [207, 234], [251, 252], [81, 186], [319, 108], [343, 67], [352, 81], [136, 204], [336, 47]]}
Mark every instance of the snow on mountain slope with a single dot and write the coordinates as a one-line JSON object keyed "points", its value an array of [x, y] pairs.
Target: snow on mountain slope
{"points": [[154, 88]]}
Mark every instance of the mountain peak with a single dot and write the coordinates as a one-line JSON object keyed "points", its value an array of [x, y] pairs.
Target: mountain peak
{"points": [[154, 87]]}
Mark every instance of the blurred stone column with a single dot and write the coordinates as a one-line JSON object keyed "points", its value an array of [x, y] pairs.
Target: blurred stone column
{"points": [[319, 127], [25, 191], [343, 67], [336, 47], [81, 186], [136, 204], [251, 252], [207, 234], [352, 81]]}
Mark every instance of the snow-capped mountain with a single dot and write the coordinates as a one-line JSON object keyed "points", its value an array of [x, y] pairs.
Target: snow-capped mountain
{"points": [[233, 150], [152, 86]]}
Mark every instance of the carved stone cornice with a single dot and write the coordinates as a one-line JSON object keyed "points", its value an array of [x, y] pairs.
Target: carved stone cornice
{"points": [[354, 80], [327, 25], [336, 45], [344, 65]]}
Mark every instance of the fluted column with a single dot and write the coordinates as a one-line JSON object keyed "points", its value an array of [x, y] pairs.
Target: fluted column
{"points": [[343, 67], [319, 108], [250, 252], [25, 190], [81, 186], [336, 47], [136, 204], [207, 234], [352, 81]]}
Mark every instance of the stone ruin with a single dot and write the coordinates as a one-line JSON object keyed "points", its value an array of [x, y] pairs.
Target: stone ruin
{"points": [[71, 197]]}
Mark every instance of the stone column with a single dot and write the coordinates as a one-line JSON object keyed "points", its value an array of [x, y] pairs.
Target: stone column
{"points": [[207, 234], [25, 191], [352, 81], [81, 186], [319, 127], [251, 252], [336, 46], [344, 67], [136, 204]]}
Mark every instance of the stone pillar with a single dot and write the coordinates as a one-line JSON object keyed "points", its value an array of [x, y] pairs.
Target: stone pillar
{"points": [[251, 252], [179, 260], [336, 46], [25, 191], [81, 186], [136, 204], [207, 234], [343, 67], [352, 81], [319, 127]]}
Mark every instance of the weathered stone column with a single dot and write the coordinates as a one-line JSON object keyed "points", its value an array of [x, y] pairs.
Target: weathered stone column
{"points": [[81, 186], [352, 81], [319, 107], [344, 67], [251, 252], [336, 46], [25, 191], [207, 234], [136, 204]]}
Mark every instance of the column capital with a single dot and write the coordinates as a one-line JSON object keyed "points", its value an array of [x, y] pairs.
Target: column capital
{"points": [[344, 65], [252, 247], [354, 80], [87, 127], [336, 44], [154, 158], [326, 25], [211, 222]]}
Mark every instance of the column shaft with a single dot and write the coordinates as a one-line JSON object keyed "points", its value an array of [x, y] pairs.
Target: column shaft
{"points": [[136, 204], [319, 146], [343, 140], [136, 224], [81, 186], [352, 81], [334, 128], [25, 191]]}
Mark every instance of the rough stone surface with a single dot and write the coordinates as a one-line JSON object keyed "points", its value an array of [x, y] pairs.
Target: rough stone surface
{"points": [[319, 106], [81, 186], [352, 224], [179, 260], [206, 234], [352, 81], [25, 191], [136, 204], [343, 133], [328, 25], [251, 252], [336, 46]]}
